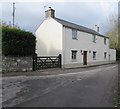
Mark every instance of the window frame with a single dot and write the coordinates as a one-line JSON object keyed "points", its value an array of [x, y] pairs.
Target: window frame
{"points": [[74, 34], [94, 38], [94, 55], [74, 54], [105, 55], [105, 41]]}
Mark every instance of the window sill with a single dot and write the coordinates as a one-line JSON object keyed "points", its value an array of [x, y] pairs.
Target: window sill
{"points": [[74, 60], [75, 38], [94, 59]]}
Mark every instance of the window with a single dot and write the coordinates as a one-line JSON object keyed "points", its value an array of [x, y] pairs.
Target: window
{"points": [[104, 40], [105, 55], [74, 34], [94, 38], [74, 55], [94, 55]]}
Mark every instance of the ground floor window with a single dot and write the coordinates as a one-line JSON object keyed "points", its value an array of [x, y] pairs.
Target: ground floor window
{"points": [[94, 55], [74, 55], [105, 55]]}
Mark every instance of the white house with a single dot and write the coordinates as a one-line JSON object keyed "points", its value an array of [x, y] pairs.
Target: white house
{"points": [[79, 46]]}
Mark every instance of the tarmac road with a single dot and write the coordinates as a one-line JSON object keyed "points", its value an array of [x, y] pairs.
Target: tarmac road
{"points": [[93, 87]]}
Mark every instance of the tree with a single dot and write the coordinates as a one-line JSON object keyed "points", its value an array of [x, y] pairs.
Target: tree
{"points": [[112, 33], [4, 24]]}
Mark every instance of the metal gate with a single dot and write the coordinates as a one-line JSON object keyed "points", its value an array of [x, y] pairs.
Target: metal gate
{"points": [[45, 62]]}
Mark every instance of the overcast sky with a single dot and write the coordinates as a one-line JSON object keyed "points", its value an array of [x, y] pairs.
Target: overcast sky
{"points": [[29, 15]]}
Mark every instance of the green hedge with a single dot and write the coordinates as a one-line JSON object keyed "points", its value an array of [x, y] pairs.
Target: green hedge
{"points": [[118, 55], [17, 42], [0, 40]]}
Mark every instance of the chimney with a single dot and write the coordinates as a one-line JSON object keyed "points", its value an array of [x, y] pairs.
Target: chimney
{"points": [[96, 28], [50, 13]]}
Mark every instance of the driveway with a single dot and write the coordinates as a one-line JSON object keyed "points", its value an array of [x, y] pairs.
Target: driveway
{"points": [[80, 87]]}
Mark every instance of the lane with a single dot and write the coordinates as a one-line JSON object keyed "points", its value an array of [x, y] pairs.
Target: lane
{"points": [[46, 72], [87, 89]]}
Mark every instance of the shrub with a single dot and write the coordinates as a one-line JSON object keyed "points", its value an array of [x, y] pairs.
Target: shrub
{"points": [[17, 42], [118, 54]]}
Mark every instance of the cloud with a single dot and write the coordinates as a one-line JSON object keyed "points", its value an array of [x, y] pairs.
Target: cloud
{"points": [[59, 0], [29, 15]]}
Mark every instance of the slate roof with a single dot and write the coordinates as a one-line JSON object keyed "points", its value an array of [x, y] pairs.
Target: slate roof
{"points": [[78, 27]]}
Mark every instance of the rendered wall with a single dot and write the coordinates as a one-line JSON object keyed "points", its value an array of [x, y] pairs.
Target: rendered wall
{"points": [[49, 38], [112, 54], [84, 42], [53, 39]]}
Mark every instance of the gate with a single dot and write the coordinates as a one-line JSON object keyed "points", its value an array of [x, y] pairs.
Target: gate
{"points": [[45, 62]]}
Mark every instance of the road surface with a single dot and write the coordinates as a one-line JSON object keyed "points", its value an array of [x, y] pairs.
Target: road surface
{"points": [[81, 87]]}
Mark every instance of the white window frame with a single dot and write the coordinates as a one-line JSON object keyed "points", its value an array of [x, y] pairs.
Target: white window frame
{"points": [[94, 55], [105, 55], [105, 41], [74, 34], [74, 54], [94, 38]]}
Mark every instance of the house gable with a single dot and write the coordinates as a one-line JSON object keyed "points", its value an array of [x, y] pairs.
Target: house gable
{"points": [[49, 38]]}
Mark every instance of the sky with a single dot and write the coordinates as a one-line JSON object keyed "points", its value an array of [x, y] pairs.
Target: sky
{"points": [[29, 15]]}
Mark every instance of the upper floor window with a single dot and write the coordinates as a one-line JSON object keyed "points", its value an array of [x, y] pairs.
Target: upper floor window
{"points": [[94, 38], [104, 40], [94, 55], [74, 34], [74, 55]]}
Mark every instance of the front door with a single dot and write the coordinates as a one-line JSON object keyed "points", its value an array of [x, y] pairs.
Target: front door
{"points": [[85, 58]]}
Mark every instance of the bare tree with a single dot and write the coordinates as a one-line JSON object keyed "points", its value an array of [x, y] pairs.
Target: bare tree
{"points": [[4, 24], [112, 33]]}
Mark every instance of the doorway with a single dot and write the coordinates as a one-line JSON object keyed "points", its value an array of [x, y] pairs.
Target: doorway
{"points": [[85, 58]]}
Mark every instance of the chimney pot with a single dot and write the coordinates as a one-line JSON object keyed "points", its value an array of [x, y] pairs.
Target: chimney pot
{"points": [[96, 28]]}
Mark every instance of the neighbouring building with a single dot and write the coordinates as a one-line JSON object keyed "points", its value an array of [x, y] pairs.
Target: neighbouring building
{"points": [[79, 46]]}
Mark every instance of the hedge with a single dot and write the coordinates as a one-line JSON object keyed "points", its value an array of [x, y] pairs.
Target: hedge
{"points": [[118, 55], [0, 41], [17, 42]]}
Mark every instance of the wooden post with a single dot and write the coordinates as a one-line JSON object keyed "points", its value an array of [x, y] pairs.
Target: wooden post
{"points": [[34, 62], [60, 60]]}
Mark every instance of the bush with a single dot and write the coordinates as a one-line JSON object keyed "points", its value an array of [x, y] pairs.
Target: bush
{"points": [[17, 42], [0, 41], [118, 55]]}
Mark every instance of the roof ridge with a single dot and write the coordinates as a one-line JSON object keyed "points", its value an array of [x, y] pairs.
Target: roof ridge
{"points": [[79, 27], [75, 24]]}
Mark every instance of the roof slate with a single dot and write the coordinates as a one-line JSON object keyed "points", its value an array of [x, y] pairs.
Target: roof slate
{"points": [[78, 27]]}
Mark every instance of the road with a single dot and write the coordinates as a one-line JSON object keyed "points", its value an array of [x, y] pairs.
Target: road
{"points": [[80, 87]]}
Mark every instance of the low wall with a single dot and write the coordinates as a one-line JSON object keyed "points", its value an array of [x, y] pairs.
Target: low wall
{"points": [[75, 65], [112, 54], [14, 64]]}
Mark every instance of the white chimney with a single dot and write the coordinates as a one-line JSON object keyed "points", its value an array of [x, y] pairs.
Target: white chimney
{"points": [[50, 13], [96, 28]]}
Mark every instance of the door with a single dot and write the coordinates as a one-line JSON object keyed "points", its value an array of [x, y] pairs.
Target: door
{"points": [[85, 58]]}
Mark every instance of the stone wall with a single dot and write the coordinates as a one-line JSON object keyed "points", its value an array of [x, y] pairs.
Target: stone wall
{"points": [[14, 64]]}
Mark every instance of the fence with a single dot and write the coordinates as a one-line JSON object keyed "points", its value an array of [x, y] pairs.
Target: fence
{"points": [[45, 62]]}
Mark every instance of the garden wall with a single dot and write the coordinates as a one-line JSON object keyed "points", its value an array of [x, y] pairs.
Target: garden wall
{"points": [[16, 64]]}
